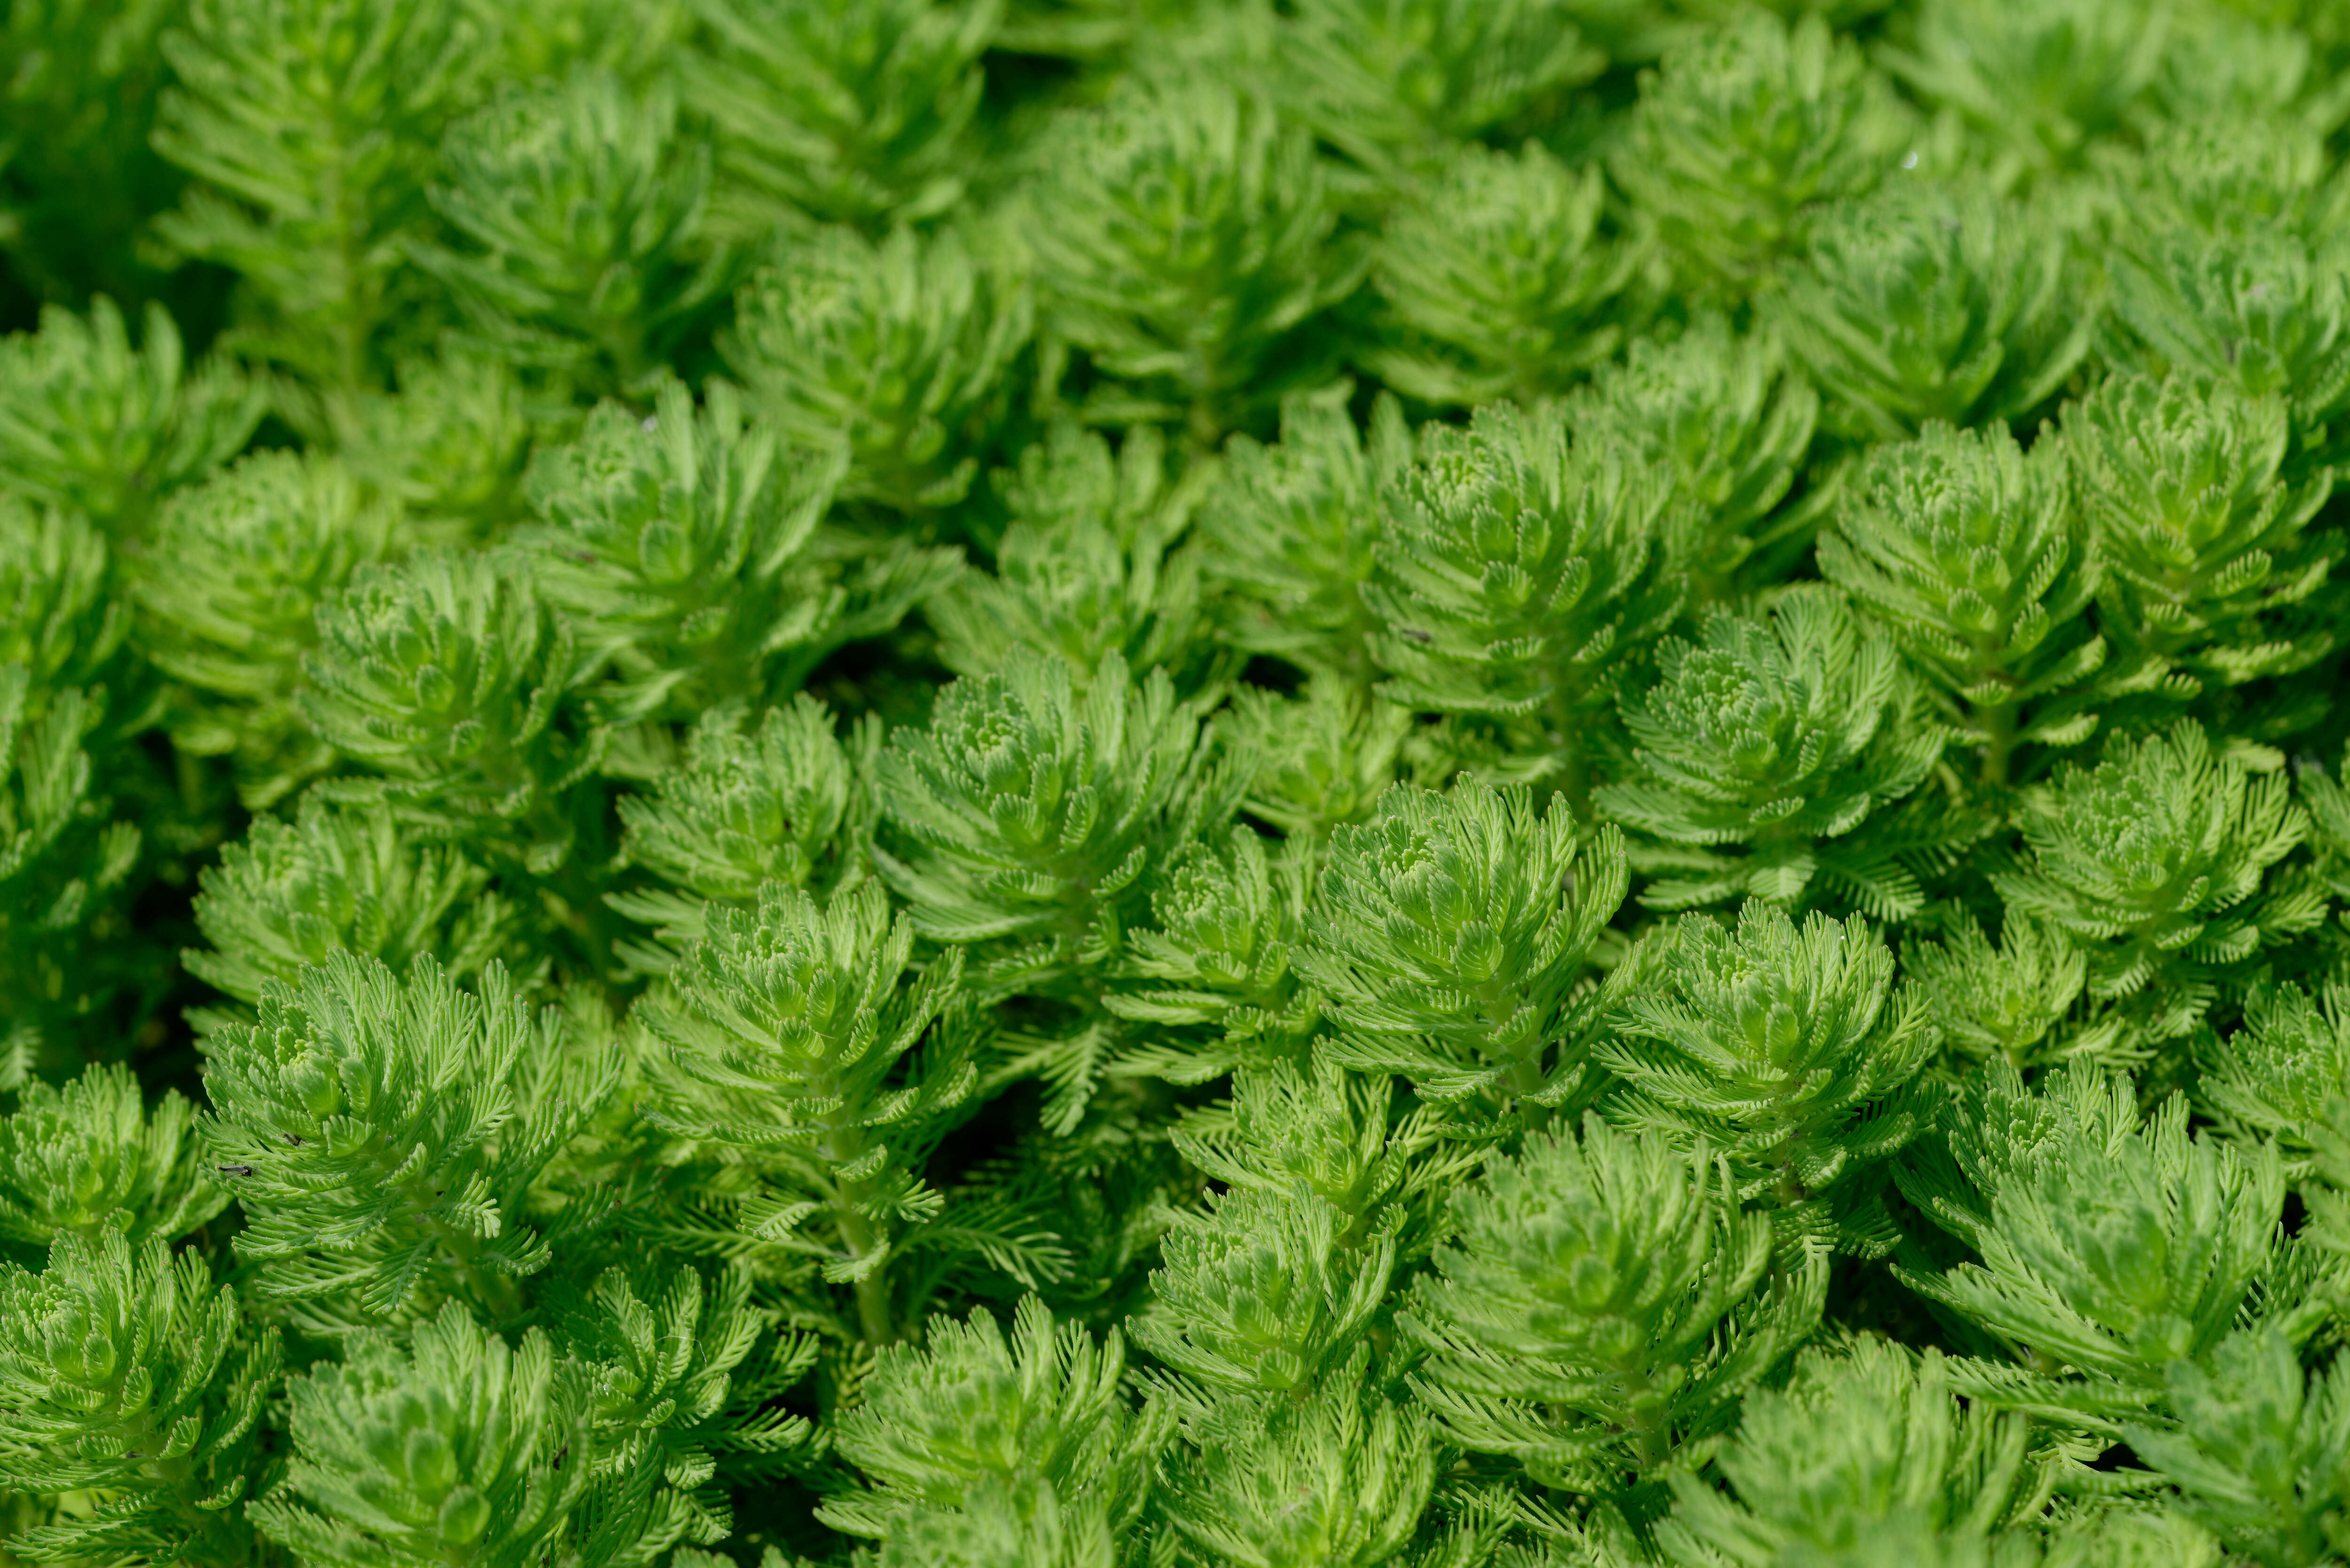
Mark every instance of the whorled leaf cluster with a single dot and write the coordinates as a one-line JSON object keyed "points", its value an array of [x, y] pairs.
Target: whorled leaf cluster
{"points": [[1269, 783]]}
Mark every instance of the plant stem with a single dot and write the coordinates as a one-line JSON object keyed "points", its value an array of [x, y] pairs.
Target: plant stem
{"points": [[1574, 759], [498, 1292], [872, 1287], [1998, 742], [844, 1141]]}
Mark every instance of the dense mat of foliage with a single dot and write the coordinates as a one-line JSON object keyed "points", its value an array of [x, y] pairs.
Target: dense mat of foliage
{"points": [[1074, 784]]}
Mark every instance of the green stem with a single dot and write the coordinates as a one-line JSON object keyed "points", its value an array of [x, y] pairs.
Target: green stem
{"points": [[844, 1141], [1999, 742], [1524, 1075], [872, 1288], [1652, 1431], [624, 342], [591, 920], [1362, 672], [1574, 758], [1201, 429], [1524, 1079], [551, 819], [500, 1293], [178, 1480], [355, 326]]}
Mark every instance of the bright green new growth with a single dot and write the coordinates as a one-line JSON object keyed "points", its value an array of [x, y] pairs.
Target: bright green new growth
{"points": [[1594, 1318], [1783, 738], [1087, 567], [88, 1159], [1342, 1478], [1518, 575], [2257, 1453], [1292, 527], [1328, 1130], [1935, 304], [238, 568], [1033, 810], [686, 547], [2284, 1076], [1496, 281], [63, 627], [125, 1372], [461, 1450], [1980, 563], [1318, 760], [1788, 1050], [309, 126], [2111, 1247], [2119, 1537], [997, 1531], [2228, 170], [1176, 194], [2267, 309], [449, 675], [2041, 82], [1219, 966], [340, 878], [902, 347], [1746, 132], [1260, 1293], [62, 867], [66, 870], [580, 205], [1391, 81], [381, 1133], [1727, 419], [974, 1414], [1174, 784], [2012, 999], [1453, 941], [671, 1362], [786, 1025], [850, 111], [91, 423], [2282, 1081], [1871, 1436], [2157, 863], [784, 803], [450, 445], [2207, 547]]}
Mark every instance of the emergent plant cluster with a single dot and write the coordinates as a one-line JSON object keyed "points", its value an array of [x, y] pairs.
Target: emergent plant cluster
{"points": [[1216, 784]]}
